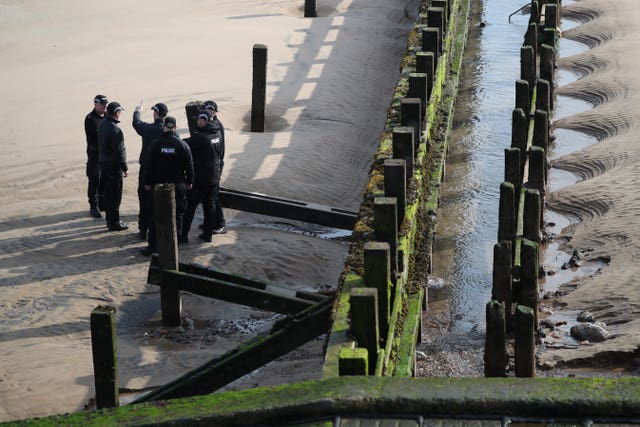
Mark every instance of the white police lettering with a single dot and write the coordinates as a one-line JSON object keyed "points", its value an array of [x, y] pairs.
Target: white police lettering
{"points": [[215, 140], [168, 150]]}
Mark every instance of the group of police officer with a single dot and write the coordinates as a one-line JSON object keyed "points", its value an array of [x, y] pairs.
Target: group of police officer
{"points": [[193, 165]]}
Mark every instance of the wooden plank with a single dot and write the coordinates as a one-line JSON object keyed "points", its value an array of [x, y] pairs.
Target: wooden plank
{"points": [[284, 337]]}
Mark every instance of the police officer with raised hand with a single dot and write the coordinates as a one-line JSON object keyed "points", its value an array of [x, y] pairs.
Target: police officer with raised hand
{"points": [[149, 132], [219, 222], [168, 160], [112, 156], [95, 188], [206, 149]]}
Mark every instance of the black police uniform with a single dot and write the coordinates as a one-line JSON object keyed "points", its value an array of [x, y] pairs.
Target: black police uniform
{"points": [[149, 132], [207, 150], [219, 222], [95, 189], [168, 160], [113, 162]]}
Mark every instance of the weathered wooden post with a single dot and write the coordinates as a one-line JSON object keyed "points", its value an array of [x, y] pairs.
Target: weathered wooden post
{"points": [[531, 37], [535, 12], [502, 277], [395, 184], [259, 91], [523, 95], [528, 65], [495, 352], [541, 130], [512, 166], [550, 36], [507, 213], [164, 203], [444, 4], [519, 132], [525, 342], [531, 229], [543, 96], [537, 168], [377, 274], [385, 226], [191, 110], [310, 9], [436, 18], [528, 289], [103, 348], [411, 115], [547, 66], [353, 361], [424, 64], [364, 321], [403, 148], [418, 88], [551, 16], [431, 43]]}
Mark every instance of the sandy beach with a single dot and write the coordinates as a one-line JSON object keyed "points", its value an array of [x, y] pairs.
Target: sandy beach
{"points": [[330, 81], [603, 205]]}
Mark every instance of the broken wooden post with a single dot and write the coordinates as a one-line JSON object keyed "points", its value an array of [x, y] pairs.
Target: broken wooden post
{"points": [[528, 289], [411, 115], [103, 348], [191, 110], [259, 91], [425, 64], [506, 212], [528, 65], [310, 9], [512, 166], [403, 148], [385, 226], [523, 95], [502, 278], [531, 220], [495, 352], [537, 169], [541, 130], [395, 184], [363, 308], [525, 342], [418, 88], [353, 361], [164, 203], [377, 274]]}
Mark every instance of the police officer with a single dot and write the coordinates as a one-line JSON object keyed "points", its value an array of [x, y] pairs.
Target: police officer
{"points": [[168, 160], [95, 189], [148, 132], [206, 149], [113, 164], [219, 226]]}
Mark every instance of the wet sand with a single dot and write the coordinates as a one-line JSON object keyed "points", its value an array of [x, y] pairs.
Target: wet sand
{"points": [[330, 81]]}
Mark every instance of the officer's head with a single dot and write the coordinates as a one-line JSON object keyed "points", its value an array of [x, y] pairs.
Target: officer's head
{"points": [[160, 110], [169, 124], [203, 118], [100, 103], [211, 107], [114, 109]]}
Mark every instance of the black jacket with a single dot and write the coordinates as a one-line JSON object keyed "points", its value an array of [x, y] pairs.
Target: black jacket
{"points": [[91, 123], [111, 144], [148, 131], [168, 160], [207, 150], [218, 125]]}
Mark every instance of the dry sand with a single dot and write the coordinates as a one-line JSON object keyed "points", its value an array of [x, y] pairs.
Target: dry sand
{"points": [[604, 205], [330, 81]]}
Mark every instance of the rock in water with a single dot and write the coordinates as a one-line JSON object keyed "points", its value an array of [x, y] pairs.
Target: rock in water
{"points": [[585, 316], [589, 332]]}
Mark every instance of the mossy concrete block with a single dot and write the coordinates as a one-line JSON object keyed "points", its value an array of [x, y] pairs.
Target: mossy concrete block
{"points": [[353, 361]]}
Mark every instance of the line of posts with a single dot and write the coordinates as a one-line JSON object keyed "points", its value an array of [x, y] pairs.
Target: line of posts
{"points": [[514, 301], [370, 306]]}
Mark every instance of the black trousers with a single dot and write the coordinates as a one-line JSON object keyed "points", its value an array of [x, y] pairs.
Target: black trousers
{"points": [[144, 205], [95, 188], [181, 206], [112, 192], [206, 196]]}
